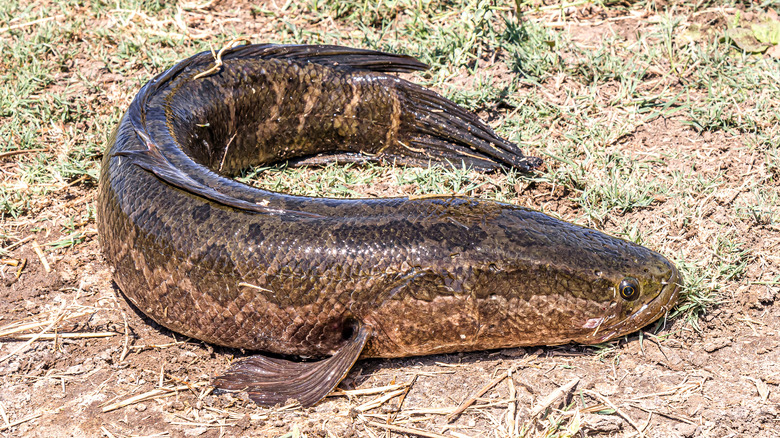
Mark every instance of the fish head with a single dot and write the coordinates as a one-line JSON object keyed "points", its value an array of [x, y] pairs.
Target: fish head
{"points": [[637, 295], [580, 284]]}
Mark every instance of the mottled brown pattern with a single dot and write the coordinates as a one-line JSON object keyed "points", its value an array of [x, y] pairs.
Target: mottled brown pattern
{"points": [[222, 262]]}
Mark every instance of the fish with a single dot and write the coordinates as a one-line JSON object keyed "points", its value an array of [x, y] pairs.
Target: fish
{"points": [[313, 284]]}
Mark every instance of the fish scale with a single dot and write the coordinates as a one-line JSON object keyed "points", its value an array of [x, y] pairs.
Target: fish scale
{"points": [[339, 279]]}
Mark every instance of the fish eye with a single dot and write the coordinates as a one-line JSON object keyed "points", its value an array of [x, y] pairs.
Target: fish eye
{"points": [[629, 289]]}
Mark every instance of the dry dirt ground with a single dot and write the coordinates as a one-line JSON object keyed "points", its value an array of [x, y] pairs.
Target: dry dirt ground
{"points": [[134, 378]]}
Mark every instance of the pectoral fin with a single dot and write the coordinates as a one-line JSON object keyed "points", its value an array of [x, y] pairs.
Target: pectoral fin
{"points": [[270, 381]]}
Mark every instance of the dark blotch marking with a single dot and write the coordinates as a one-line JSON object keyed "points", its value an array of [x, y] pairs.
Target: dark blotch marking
{"points": [[201, 213], [256, 233]]}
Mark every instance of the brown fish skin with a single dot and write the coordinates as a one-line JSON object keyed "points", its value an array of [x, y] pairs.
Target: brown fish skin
{"points": [[241, 267]]}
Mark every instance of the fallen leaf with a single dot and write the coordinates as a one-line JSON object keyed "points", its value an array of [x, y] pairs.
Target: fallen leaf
{"points": [[767, 32], [761, 386], [745, 40]]}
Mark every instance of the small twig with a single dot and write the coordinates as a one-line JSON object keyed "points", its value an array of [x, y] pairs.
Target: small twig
{"points": [[41, 256], [407, 430], [469, 401], [18, 422], [616, 409], [155, 393], [20, 269], [224, 155], [664, 414], [511, 410], [403, 397], [20, 151], [107, 433], [17, 243], [218, 57], [379, 401], [24, 346], [555, 395], [366, 391], [4, 414], [126, 341]]}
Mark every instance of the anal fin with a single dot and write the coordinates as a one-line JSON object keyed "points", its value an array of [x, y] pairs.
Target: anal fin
{"points": [[270, 381]]}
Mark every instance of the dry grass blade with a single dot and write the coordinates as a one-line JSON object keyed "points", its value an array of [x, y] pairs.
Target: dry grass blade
{"points": [[17, 243], [54, 336], [27, 344], [433, 411], [367, 391], [20, 152], [469, 401], [555, 395], [31, 23], [625, 416], [403, 397], [4, 414], [106, 432], [41, 256], [149, 395], [379, 401], [189, 6], [406, 430], [511, 411], [46, 318], [669, 415], [125, 341], [18, 422]]}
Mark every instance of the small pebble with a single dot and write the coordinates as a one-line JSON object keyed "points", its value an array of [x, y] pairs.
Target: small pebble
{"points": [[716, 344]]}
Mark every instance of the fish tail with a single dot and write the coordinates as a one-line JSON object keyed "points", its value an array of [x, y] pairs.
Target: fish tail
{"points": [[433, 128]]}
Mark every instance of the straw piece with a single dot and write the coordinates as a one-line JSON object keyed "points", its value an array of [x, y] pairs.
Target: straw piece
{"points": [[469, 401], [379, 401], [54, 336], [31, 23], [617, 410], [407, 430], [18, 422], [555, 395], [17, 243], [41, 256], [149, 395], [24, 346]]}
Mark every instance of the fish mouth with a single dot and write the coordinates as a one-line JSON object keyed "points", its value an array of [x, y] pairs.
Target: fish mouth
{"points": [[649, 312]]}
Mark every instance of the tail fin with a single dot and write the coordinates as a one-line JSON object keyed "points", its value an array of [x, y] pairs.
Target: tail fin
{"points": [[434, 128]]}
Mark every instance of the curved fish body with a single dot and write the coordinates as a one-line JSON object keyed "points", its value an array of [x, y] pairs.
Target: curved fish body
{"points": [[339, 279]]}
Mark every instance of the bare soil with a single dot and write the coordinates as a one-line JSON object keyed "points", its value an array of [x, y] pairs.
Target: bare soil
{"points": [[719, 381]]}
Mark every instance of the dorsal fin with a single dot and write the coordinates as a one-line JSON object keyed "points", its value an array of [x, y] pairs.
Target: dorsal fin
{"points": [[362, 59]]}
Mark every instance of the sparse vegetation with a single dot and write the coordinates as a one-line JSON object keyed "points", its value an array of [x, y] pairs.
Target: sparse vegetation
{"points": [[654, 124]]}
